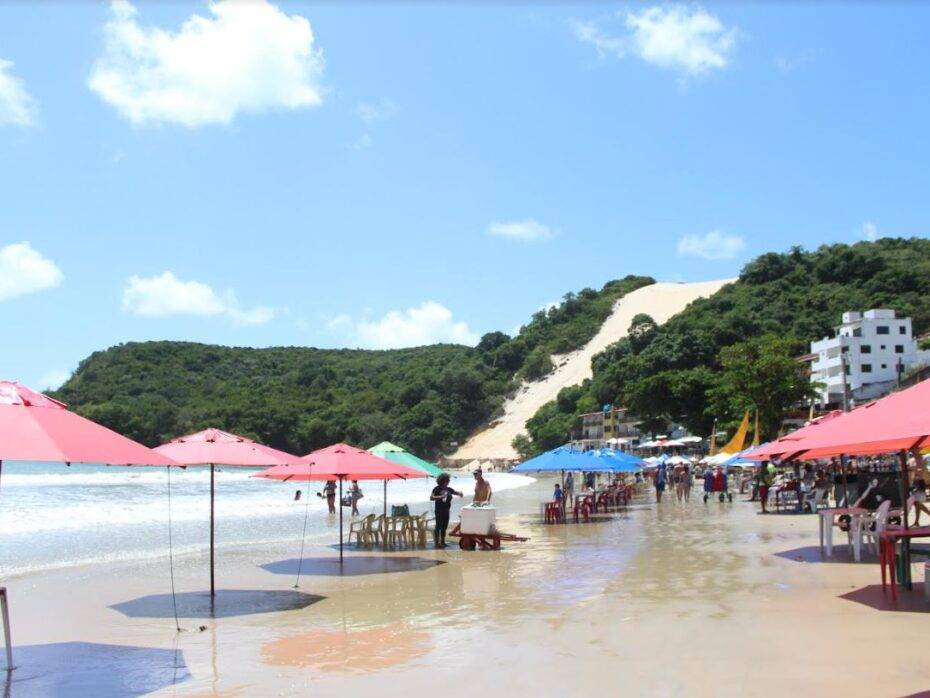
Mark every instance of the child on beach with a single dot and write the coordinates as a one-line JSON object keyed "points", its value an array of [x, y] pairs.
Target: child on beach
{"points": [[557, 494]]}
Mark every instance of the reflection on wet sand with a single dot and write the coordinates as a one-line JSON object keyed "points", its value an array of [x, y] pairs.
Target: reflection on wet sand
{"points": [[346, 649], [92, 669]]}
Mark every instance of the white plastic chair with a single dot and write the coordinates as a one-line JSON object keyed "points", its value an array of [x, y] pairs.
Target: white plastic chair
{"points": [[872, 530]]}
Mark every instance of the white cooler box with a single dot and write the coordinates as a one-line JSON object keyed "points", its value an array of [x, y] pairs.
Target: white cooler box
{"points": [[477, 520]]}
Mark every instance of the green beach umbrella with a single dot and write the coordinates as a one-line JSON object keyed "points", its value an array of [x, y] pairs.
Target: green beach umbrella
{"points": [[396, 454]]}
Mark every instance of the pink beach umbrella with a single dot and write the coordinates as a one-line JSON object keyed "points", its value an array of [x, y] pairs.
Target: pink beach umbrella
{"points": [[215, 447], [34, 427], [342, 462]]}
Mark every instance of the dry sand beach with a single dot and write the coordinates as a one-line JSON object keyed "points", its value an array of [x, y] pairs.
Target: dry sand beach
{"points": [[669, 600]]}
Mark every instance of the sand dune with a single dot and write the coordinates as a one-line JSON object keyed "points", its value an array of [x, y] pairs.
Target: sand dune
{"points": [[661, 301]]}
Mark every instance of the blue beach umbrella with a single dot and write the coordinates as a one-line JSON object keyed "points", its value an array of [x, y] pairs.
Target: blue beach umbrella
{"points": [[618, 461], [558, 460]]}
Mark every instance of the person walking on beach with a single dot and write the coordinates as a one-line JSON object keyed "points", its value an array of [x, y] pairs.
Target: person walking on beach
{"points": [[329, 494], [355, 494], [661, 477], [568, 492], [482, 489], [766, 480], [686, 481], [442, 499]]}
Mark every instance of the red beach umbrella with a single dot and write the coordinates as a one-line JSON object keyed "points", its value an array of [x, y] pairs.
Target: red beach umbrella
{"points": [[215, 447], [342, 462], [34, 427]]}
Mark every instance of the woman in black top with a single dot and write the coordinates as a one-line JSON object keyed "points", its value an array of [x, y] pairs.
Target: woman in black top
{"points": [[442, 496]]}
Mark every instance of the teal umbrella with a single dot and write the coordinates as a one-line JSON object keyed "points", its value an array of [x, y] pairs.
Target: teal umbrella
{"points": [[396, 454]]}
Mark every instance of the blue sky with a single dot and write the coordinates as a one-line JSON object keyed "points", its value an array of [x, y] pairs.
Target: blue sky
{"points": [[382, 175]]}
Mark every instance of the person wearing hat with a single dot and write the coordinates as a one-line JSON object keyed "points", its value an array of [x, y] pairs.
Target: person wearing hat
{"points": [[482, 489]]}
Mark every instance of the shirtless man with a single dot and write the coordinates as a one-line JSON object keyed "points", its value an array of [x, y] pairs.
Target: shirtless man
{"points": [[482, 489]]}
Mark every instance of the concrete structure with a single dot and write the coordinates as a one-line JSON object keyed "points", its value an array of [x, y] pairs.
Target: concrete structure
{"points": [[871, 350]]}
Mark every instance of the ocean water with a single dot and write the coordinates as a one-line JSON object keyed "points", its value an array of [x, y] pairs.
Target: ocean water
{"points": [[54, 515]]}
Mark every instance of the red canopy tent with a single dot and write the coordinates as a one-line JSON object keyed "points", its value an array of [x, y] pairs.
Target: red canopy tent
{"points": [[793, 443], [342, 462], [215, 447]]}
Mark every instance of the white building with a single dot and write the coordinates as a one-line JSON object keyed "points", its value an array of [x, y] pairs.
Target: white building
{"points": [[877, 346]]}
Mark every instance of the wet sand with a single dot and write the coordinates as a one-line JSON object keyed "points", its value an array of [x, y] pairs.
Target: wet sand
{"points": [[672, 600]]}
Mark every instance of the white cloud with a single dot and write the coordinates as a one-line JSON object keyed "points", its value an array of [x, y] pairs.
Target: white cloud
{"points": [[869, 231], [23, 270], [714, 245], [429, 323], [165, 295], [675, 37], [527, 230], [370, 112], [53, 380], [245, 57], [17, 107]]}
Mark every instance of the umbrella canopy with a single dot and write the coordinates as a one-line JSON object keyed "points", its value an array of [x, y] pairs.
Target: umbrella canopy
{"points": [[617, 461], [216, 447], [398, 455], [34, 427], [342, 462], [898, 422], [558, 460], [792, 443]]}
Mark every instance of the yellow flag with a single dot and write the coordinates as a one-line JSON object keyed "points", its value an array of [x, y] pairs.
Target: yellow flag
{"points": [[755, 432], [739, 438], [713, 440]]}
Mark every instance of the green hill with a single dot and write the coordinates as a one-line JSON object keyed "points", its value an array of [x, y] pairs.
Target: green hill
{"points": [[299, 399], [671, 372]]}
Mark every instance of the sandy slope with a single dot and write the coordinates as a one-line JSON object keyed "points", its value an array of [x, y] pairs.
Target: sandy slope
{"points": [[661, 301]]}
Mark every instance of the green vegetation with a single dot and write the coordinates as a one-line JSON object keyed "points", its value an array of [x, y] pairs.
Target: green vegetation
{"points": [[678, 372], [299, 399], [291, 398]]}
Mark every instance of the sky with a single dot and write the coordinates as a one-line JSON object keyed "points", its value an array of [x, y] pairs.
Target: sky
{"points": [[381, 175]]}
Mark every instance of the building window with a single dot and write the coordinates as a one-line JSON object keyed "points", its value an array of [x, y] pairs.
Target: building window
{"points": [[882, 329], [884, 365], [866, 368], [857, 332], [866, 348], [902, 330], [883, 347], [898, 348]]}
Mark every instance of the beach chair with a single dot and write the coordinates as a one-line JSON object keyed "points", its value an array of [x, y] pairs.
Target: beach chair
{"points": [[362, 530], [872, 531], [815, 499], [421, 529]]}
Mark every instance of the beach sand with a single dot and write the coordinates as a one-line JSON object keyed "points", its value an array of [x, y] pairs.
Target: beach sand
{"points": [[671, 600], [660, 300]]}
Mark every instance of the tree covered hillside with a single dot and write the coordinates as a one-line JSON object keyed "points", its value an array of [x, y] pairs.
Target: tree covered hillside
{"points": [[673, 373], [299, 399]]}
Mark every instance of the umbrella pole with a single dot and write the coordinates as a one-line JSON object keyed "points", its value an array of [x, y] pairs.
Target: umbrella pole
{"points": [[906, 543], [385, 499], [340, 522], [212, 495]]}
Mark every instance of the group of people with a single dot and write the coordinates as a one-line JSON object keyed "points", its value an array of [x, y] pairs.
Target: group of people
{"points": [[682, 479], [442, 502]]}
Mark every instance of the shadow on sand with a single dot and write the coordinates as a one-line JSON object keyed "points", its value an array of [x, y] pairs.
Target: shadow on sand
{"points": [[227, 604], [841, 556], [908, 601], [351, 566], [91, 669]]}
